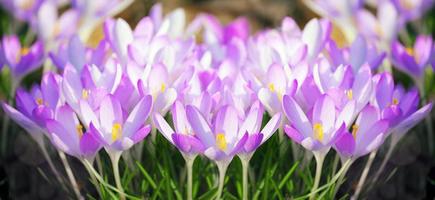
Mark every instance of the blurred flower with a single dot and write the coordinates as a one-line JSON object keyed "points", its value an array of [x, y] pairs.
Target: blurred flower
{"points": [[413, 61], [19, 59]]}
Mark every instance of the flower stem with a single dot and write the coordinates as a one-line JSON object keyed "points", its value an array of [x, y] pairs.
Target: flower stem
{"points": [[189, 165], [93, 177], [319, 164], [364, 175], [6, 120], [70, 175], [49, 160], [115, 165], [245, 168], [345, 165], [222, 166], [384, 162]]}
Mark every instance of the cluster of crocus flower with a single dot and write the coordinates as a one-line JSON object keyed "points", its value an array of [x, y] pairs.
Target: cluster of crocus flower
{"points": [[217, 91]]}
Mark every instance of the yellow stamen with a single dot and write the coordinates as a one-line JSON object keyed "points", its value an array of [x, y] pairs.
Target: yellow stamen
{"points": [[221, 142], [116, 131], [24, 51], [349, 94], [318, 131], [56, 29], [39, 101], [272, 87], [407, 4], [395, 101], [354, 130], [410, 51], [162, 88], [26, 5], [378, 30], [79, 129], [85, 94]]}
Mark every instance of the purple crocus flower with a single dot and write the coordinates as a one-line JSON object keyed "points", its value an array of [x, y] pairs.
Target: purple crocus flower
{"points": [[183, 137], [51, 27], [320, 132], [414, 60], [22, 9], [367, 134], [20, 60], [68, 135], [116, 132], [221, 141], [34, 108], [412, 9], [340, 12], [383, 27], [252, 125], [399, 107]]}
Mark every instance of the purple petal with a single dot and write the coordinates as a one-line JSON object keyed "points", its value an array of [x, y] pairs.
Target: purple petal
{"points": [[89, 145], [384, 90], [50, 90], [324, 113], [163, 126], [200, 126], [293, 134], [271, 126], [110, 113], [253, 142], [140, 134], [296, 116], [345, 145], [137, 116]]}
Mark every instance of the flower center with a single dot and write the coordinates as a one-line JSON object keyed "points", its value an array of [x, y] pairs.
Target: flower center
{"points": [[354, 130], [26, 5], [318, 131], [221, 142], [349, 94], [395, 101], [39, 101], [272, 87], [116, 131], [407, 4], [85, 94], [79, 129], [163, 87]]}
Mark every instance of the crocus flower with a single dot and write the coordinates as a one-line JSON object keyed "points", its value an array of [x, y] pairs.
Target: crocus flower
{"points": [[414, 60], [319, 133], [183, 137], [222, 141], [37, 106], [92, 13], [116, 132], [51, 27], [22, 10], [20, 60], [68, 135], [252, 125], [398, 106], [383, 27], [367, 134], [340, 12]]}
